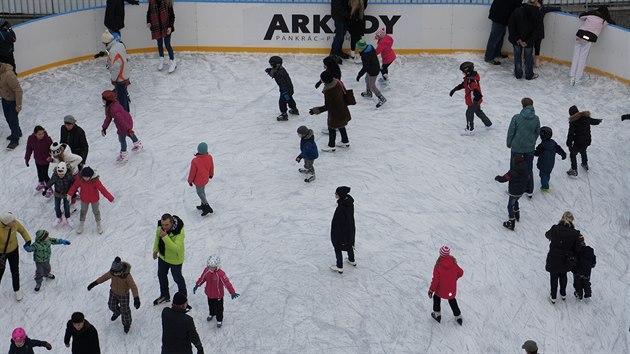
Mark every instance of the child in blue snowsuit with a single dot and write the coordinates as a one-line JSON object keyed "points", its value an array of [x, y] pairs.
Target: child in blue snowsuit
{"points": [[546, 152], [308, 152]]}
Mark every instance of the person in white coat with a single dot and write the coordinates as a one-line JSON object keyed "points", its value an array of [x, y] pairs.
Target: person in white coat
{"points": [[117, 66], [63, 153]]}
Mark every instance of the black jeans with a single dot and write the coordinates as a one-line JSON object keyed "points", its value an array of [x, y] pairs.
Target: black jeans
{"points": [[13, 259], [555, 278], [339, 256], [215, 306], [332, 136], [122, 95], [574, 150], [176, 272], [66, 207], [282, 103], [582, 285], [475, 109], [384, 68], [451, 302], [340, 32], [42, 172]]}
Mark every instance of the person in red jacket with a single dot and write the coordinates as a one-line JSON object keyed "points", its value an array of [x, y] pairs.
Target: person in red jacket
{"points": [[38, 145], [384, 48], [473, 96], [444, 284], [90, 186], [215, 279], [201, 171], [123, 121]]}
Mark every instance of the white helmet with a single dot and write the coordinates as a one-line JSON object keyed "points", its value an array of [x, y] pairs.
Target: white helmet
{"points": [[55, 149], [214, 261], [61, 168]]}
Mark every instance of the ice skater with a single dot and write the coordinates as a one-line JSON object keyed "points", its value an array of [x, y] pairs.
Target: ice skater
{"points": [[90, 188], [342, 229], [161, 23], [518, 177], [308, 152], [201, 172], [124, 124], [41, 255], [546, 152], [215, 279], [371, 67], [586, 261], [384, 48], [62, 181], [279, 73], [21, 344], [579, 137], [473, 97], [593, 23], [446, 272], [338, 112], [38, 145]]}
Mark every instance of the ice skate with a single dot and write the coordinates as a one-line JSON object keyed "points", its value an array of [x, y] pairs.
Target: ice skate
{"points": [[572, 173], [161, 64], [309, 178], [199, 207], [18, 295], [328, 149], [122, 157], [115, 316], [366, 94], [40, 186], [517, 215], [335, 269], [12, 145], [209, 318], [564, 297], [126, 329], [37, 287], [467, 132], [585, 166], [70, 223], [625, 117], [50, 276], [343, 145], [161, 300], [49, 193], [219, 324], [436, 316], [137, 146], [509, 224], [577, 296], [529, 195], [352, 263], [99, 228], [381, 101], [282, 117], [58, 222], [172, 65], [546, 190], [80, 228], [304, 170], [459, 320], [206, 210], [294, 111], [552, 299]]}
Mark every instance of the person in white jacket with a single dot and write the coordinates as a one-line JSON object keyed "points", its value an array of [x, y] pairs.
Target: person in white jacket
{"points": [[63, 153], [117, 66], [592, 24]]}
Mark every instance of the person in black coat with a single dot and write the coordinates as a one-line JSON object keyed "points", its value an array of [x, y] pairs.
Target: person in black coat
{"points": [[518, 177], [372, 67], [340, 12], [586, 261], [524, 30], [74, 136], [500, 12], [178, 329], [541, 31], [332, 67], [84, 336], [579, 137], [561, 258], [278, 73], [115, 15], [356, 23], [546, 152], [342, 229], [7, 44]]}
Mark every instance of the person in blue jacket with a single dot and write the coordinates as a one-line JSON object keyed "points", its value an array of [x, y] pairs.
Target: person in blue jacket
{"points": [[546, 152], [308, 152]]}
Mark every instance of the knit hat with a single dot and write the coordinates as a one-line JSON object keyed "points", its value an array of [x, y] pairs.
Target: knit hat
{"points": [[109, 95], [380, 33], [445, 251], [342, 191], [179, 299], [326, 77], [573, 110], [530, 346], [302, 130], [69, 119], [41, 235], [361, 44], [202, 148], [77, 317], [107, 37], [117, 265], [7, 218], [87, 171]]}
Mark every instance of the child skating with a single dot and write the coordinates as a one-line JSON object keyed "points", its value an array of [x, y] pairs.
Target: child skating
{"points": [[546, 152], [446, 272], [201, 172], [579, 137], [372, 68], [384, 48], [517, 177], [308, 152], [278, 73], [90, 188], [473, 97], [586, 261], [215, 279], [123, 121], [22, 344], [38, 145], [62, 181], [41, 255]]}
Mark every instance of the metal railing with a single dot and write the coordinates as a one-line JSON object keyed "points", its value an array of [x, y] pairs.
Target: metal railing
{"points": [[49, 7]]}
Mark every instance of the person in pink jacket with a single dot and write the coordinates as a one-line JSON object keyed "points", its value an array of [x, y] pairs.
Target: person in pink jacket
{"points": [[215, 279], [38, 145], [201, 171], [123, 121], [91, 187], [444, 284], [593, 23], [384, 48]]}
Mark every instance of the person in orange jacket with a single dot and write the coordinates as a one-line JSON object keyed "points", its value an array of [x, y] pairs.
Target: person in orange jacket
{"points": [[444, 284], [201, 171]]}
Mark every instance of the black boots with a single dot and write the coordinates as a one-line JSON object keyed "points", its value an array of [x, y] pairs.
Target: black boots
{"points": [[509, 224], [625, 117], [206, 209]]}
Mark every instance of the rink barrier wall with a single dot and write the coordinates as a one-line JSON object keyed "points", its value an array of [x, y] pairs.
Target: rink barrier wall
{"points": [[303, 28]]}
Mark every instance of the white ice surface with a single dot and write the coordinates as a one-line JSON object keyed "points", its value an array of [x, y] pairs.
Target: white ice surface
{"points": [[417, 183]]}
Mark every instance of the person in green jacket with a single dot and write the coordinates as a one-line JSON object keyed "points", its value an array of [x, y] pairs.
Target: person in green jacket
{"points": [[41, 255], [9, 252], [168, 249], [522, 136]]}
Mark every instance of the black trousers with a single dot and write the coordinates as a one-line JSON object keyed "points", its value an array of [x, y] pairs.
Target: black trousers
{"points": [[473, 110], [176, 272], [42, 172], [13, 260], [282, 103], [332, 136], [384, 68], [215, 306], [339, 255], [582, 285], [574, 150], [452, 302], [562, 279]]}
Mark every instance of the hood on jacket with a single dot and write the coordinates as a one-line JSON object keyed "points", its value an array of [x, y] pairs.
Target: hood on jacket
{"points": [[528, 112], [446, 262], [346, 201], [579, 115], [178, 225], [4, 67], [125, 272]]}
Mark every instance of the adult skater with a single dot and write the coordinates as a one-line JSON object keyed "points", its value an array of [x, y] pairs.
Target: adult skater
{"points": [[178, 329], [594, 23], [74, 136], [161, 21], [115, 15], [84, 336], [561, 258], [169, 247], [356, 24], [9, 228], [7, 43], [500, 12], [521, 138], [342, 229], [340, 12], [524, 28], [444, 284], [117, 66], [338, 112], [11, 93]]}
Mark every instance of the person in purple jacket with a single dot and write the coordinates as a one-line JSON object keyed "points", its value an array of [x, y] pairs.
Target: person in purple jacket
{"points": [[38, 145], [123, 121]]}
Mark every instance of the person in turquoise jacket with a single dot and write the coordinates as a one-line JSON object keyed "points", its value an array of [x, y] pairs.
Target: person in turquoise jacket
{"points": [[168, 249], [522, 136], [41, 255]]}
